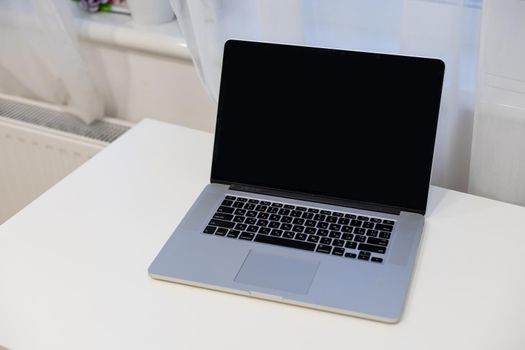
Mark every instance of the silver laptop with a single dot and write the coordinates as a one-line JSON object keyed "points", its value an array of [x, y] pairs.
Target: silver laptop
{"points": [[319, 183]]}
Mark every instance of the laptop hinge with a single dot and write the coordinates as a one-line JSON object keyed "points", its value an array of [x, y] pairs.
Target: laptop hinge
{"points": [[317, 199]]}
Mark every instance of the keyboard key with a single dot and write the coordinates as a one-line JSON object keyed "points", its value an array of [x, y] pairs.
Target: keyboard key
{"points": [[210, 230], [263, 223], [238, 204], [289, 206], [350, 255], [377, 241], [377, 260], [286, 219], [348, 236], [261, 207], [254, 201], [346, 229], [359, 238], [288, 234], [350, 216], [221, 223], [319, 217], [372, 233], [338, 251], [359, 231], [249, 206], [326, 212], [301, 236], [263, 215], [233, 234], [252, 228], [383, 227], [241, 227], [310, 223], [221, 231], [322, 233], [322, 225], [334, 234], [238, 219], [331, 219], [388, 222], [231, 197], [372, 248], [265, 230], [242, 199], [227, 203], [356, 223], [335, 227], [284, 211], [385, 235], [298, 228], [274, 224], [363, 257], [251, 214], [277, 233], [343, 221], [362, 218], [300, 208], [298, 221], [368, 224], [307, 216], [265, 203], [272, 210], [324, 249], [278, 205], [376, 220], [240, 212], [313, 239], [248, 236], [325, 240], [275, 217], [310, 230], [285, 242], [351, 245], [312, 210], [287, 227], [250, 221], [338, 243], [338, 214], [296, 213], [227, 210]]}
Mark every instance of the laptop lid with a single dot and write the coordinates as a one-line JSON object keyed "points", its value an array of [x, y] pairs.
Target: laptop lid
{"points": [[328, 125]]}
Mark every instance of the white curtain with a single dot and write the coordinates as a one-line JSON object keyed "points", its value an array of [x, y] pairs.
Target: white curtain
{"points": [[40, 57], [498, 149], [448, 29]]}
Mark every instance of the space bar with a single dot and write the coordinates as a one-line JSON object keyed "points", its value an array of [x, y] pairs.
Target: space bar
{"points": [[285, 242]]}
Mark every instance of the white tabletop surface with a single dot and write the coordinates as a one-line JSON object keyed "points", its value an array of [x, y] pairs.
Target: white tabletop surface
{"points": [[73, 268]]}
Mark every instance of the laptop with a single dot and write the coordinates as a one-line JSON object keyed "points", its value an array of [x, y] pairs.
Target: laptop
{"points": [[320, 176]]}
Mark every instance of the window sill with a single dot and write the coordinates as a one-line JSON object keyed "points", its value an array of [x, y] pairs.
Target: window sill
{"points": [[119, 30]]}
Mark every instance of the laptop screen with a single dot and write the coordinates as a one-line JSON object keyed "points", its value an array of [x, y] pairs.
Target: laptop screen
{"points": [[349, 125]]}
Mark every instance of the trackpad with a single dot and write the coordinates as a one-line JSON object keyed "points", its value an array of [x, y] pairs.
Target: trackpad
{"points": [[277, 272]]}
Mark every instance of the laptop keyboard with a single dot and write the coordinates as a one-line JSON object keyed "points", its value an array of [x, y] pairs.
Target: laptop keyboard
{"points": [[323, 231]]}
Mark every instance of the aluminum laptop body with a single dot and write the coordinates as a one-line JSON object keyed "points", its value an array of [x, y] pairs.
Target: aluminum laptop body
{"points": [[313, 145]]}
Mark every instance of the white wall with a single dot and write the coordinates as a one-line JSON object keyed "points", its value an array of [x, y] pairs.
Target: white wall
{"points": [[145, 72]]}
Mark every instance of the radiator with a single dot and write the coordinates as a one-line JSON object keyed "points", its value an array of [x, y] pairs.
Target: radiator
{"points": [[40, 144]]}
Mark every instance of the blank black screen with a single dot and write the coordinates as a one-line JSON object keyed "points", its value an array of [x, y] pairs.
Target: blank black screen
{"points": [[350, 125]]}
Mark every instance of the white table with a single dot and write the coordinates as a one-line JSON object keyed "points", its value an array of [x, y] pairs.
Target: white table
{"points": [[73, 268]]}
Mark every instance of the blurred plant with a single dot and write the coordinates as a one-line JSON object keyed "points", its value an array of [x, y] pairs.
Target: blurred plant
{"points": [[98, 5]]}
